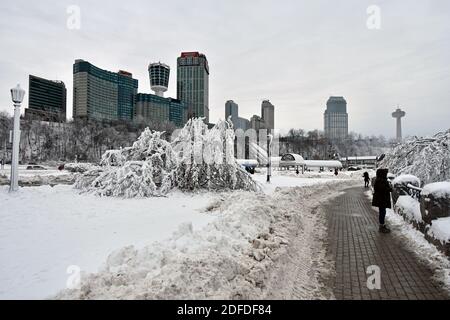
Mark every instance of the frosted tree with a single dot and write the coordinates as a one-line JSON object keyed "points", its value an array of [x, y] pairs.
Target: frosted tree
{"points": [[197, 158], [426, 158]]}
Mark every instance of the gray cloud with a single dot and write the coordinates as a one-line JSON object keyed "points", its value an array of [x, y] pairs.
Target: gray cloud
{"points": [[294, 53]]}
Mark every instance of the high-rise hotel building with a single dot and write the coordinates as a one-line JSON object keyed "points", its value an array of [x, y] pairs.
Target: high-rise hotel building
{"points": [[46, 100], [102, 95], [336, 119], [193, 83]]}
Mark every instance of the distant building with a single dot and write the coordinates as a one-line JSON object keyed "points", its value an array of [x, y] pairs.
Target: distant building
{"points": [[232, 109], [152, 108], [193, 83], [336, 119], [243, 124], [257, 123], [102, 95], [46, 100], [267, 114], [159, 77]]}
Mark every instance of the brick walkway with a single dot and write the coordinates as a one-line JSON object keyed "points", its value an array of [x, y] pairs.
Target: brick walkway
{"points": [[355, 243]]}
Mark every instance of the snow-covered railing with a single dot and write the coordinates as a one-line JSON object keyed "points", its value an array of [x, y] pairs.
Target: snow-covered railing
{"points": [[410, 186], [414, 191]]}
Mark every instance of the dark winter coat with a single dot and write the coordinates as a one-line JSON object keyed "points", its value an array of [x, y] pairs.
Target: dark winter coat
{"points": [[366, 176], [382, 190]]}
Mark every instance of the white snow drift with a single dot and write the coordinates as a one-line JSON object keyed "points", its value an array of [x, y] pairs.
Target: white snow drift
{"points": [[239, 255]]}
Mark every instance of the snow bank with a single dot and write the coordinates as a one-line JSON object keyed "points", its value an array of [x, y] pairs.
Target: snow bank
{"points": [[440, 229], [409, 208], [427, 158], [79, 167], [236, 256], [437, 189]]}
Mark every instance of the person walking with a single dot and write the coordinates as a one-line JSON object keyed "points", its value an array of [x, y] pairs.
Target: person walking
{"points": [[382, 197], [366, 179]]}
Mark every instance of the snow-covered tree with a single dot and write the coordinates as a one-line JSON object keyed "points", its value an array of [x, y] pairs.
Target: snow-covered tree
{"points": [[426, 158], [197, 158]]}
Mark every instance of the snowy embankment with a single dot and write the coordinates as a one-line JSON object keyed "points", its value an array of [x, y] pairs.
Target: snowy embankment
{"points": [[46, 176], [251, 250]]}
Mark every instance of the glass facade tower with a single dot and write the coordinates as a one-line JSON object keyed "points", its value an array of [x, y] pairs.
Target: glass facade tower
{"points": [[102, 95], [152, 108], [46, 100], [336, 119]]}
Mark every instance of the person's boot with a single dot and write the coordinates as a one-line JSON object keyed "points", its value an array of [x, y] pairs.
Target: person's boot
{"points": [[384, 229]]}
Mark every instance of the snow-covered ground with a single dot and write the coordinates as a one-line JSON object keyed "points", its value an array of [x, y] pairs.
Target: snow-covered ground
{"points": [[252, 250], [155, 241], [416, 242], [44, 230], [424, 250]]}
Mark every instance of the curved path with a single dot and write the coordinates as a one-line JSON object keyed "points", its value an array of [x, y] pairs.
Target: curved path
{"points": [[355, 244]]}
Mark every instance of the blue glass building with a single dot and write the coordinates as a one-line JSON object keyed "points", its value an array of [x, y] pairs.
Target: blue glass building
{"points": [[102, 95]]}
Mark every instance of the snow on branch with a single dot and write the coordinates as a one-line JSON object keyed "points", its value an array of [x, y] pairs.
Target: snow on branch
{"points": [[426, 158]]}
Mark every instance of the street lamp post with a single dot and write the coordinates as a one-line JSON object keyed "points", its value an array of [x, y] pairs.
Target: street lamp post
{"points": [[17, 95], [269, 156]]}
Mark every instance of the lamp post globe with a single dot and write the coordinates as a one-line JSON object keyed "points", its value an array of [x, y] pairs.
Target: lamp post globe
{"points": [[269, 157], [17, 95]]}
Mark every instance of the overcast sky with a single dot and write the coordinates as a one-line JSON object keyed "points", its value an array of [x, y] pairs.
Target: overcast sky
{"points": [[294, 53]]}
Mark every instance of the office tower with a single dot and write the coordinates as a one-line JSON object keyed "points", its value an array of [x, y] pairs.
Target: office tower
{"points": [[336, 119], [159, 77], [46, 100], [232, 109], [193, 83], [151, 108], [102, 95], [257, 123], [267, 114]]}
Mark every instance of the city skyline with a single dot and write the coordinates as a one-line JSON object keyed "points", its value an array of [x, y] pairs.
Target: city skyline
{"points": [[317, 51]]}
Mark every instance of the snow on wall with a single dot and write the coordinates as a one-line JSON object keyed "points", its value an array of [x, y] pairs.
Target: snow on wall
{"points": [[426, 158], [405, 179], [409, 207], [440, 229], [437, 189]]}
